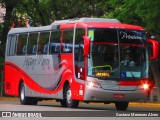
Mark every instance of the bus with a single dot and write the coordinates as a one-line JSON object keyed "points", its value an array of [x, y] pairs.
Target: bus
{"points": [[77, 60]]}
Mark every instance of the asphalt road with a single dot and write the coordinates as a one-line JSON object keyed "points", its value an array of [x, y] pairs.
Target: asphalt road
{"points": [[53, 110]]}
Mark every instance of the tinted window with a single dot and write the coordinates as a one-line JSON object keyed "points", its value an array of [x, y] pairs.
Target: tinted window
{"points": [[111, 35], [78, 53], [32, 43], [12, 41], [43, 43], [103, 35], [21, 45], [54, 46], [67, 42], [79, 45]]}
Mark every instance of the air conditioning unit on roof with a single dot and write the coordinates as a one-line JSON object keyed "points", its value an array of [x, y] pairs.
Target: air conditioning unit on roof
{"points": [[85, 19]]}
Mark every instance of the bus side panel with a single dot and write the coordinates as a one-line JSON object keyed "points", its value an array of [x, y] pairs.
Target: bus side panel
{"points": [[12, 78], [14, 73], [17, 65], [68, 74], [78, 90]]}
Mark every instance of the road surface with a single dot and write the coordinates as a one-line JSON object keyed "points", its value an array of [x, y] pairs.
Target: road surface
{"points": [[97, 111]]}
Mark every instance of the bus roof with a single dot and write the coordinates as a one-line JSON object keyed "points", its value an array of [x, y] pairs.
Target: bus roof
{"points": [[90, 22], [29, 29], [76, 20]]}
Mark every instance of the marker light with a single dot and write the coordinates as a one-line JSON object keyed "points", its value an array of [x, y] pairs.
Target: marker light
{"points": [[93, 84]]}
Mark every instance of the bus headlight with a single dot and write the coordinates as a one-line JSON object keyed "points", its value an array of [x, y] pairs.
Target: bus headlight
{"points": [[93, 84], [143, 87]]}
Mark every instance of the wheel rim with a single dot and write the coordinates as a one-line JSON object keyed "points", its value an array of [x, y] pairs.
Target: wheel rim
{"points": [[69, 95], [22, 93]]}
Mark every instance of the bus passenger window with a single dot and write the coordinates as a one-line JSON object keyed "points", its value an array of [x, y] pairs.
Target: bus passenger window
{"points": [[34, 50], [54, 46], [67, 42], [45, 49], [11, 46], [43, 43], [21, 45], [52, 49], [32, 43], [25, 49]]}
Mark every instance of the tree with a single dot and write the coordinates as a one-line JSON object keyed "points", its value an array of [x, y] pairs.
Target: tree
{"points": [[9, 5], [139, 12], [36, 10]]}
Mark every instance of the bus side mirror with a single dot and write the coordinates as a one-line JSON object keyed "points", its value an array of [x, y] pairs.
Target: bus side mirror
{"points": [[155, 49], [86, 45]]}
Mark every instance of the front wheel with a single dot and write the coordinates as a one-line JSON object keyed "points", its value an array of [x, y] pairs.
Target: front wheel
{"points": [[121, 105], [26, 100], [68, 101]]}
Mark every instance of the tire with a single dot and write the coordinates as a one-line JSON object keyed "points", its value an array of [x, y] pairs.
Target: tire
{"points": [[26, 100], [2, 90], [63, 103], [68, 102], [121, 105], [2, 84]]}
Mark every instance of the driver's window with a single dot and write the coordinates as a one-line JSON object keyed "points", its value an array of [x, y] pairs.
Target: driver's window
{"points": [[103, 58], [104, 55]]}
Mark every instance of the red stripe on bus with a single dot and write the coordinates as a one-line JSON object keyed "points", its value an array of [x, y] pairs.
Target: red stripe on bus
{"points": [[136, 82], [29, 81]]}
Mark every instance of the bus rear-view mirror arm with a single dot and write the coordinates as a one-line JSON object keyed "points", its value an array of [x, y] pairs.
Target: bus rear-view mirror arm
{"points": [[86, 45], [155, 49]]}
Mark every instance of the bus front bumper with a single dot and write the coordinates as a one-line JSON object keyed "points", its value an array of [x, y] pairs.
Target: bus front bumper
{"points": [[101, 95]]}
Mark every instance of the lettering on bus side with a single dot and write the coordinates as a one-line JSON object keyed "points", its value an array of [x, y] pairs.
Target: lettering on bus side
{"points": [[30, 62]]}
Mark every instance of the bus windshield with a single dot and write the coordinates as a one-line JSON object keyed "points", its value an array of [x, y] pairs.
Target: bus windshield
{"points": [[116, 53]]}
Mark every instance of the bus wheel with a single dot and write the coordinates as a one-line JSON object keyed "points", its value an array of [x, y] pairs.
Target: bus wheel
{"points": [[63, 103], [68, 98], [121, 105], [26, 100]]}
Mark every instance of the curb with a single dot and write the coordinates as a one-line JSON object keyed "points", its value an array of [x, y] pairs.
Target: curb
{"points": [[9, 98], [157, 104]]}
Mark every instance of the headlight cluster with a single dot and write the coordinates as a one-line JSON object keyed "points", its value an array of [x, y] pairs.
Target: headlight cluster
{"points": [[143, 87], [93, 84]]}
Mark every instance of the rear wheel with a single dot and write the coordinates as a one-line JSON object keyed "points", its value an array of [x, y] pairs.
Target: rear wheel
{"points": [[121, 105], [26, 100], [68, 101], [63, 103]]}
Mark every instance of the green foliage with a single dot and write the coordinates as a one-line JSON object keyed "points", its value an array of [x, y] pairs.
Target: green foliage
{"points": [[149, 11], [38, 12], [42, 12], [140, 12]]}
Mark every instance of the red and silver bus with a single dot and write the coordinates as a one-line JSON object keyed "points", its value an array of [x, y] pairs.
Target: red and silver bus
{"points": [[79, 60]]}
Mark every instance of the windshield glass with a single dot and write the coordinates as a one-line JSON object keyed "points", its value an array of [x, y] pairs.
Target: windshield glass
{"points": [[117, 54]]}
